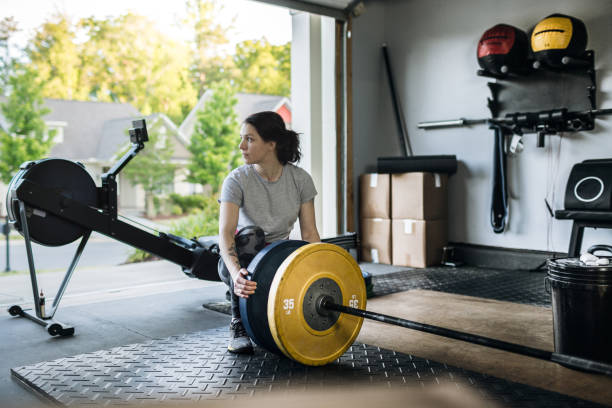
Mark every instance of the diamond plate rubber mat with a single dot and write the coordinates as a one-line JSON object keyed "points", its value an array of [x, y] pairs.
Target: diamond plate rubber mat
{"points": [[512, 286], [197, 366]]}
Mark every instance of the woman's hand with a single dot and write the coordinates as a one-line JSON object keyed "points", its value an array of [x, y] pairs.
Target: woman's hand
{"points": [[244, 287]]}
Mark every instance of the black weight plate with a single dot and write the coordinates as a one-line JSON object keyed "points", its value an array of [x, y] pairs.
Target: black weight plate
{"points": [[254, 309], [68, 179]]}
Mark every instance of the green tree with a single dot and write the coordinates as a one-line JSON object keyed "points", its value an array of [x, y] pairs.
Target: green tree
{"points": [[8, 26], [120, 59], [26, 138], [255, 67], [54, 54], [152, 168], [261, 67], [127, 60], [209, 65], [214, 142]]}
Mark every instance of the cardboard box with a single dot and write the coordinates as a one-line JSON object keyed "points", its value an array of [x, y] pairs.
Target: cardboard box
{"points": [[419, 196], [376, 240], [375, 196], [418, 243]]}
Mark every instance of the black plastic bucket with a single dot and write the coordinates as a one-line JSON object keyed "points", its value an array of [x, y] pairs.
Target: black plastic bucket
{"points": [[582, 308]]}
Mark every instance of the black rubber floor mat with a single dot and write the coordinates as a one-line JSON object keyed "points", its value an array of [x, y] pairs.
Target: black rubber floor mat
{"points": [[513, 286], [197, 366], [222, 306]]}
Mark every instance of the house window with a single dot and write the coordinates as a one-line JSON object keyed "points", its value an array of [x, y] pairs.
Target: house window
{"points": [[58, 128], [167, 188], [59, 134], [161, 141]]}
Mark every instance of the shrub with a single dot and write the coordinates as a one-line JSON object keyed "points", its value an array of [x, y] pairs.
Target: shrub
{"points": [[138, 255], [202, 222], [176, 210], [189, 203]]}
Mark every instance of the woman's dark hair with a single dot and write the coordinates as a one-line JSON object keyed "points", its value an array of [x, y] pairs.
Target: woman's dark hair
{"points": [[271, 127]]}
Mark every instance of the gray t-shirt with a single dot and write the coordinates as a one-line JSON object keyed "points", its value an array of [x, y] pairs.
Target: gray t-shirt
{"points": [[272, 205]]}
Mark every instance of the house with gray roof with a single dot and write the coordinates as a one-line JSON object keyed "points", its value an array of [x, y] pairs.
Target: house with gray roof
{"points": [[246, 105], [88, 131], [95, 133]]}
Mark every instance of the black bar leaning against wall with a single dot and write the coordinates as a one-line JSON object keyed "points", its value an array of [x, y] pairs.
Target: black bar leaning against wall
{"points": [[404, 140]]}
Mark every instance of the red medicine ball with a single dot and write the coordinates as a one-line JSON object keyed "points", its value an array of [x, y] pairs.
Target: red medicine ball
{"points": [[502, 48]]}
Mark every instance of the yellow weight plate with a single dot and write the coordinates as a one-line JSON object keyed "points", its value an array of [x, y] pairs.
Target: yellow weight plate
{"points": [[310, 267]]}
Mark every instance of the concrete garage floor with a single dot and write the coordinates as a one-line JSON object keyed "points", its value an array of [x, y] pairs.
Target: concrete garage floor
{"points": [[109, 307], [132, 306]]}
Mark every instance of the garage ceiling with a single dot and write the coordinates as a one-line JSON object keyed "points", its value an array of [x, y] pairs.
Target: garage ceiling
{"points": [[337, 4], [337, 9]]}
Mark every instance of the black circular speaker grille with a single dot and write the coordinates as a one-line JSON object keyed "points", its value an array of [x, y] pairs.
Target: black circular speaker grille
{"points": [[67, 179], [589, 189]]}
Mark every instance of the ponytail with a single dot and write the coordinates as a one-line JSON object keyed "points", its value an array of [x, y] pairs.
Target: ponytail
{"points": [[288, 147]]}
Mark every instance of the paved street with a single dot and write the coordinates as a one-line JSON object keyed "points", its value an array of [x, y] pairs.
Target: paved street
{"points": [[99, 251], [101, 273], [97, 283]]}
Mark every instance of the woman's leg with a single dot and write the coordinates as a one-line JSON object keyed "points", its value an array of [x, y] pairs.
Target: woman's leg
{"points": [[249, 241]]}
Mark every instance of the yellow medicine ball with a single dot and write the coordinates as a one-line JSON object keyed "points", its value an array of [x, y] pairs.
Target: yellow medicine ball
{"points": [[557, 36]]}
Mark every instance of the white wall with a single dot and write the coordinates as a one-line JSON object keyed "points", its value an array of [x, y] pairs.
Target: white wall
{"points": [[329, 210], [432, 45], [313, 110]]}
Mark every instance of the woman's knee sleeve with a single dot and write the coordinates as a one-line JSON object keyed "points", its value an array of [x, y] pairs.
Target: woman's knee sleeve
{"points": [[249, 241]]}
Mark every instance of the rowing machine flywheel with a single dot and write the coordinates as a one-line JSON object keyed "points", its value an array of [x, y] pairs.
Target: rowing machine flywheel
{"points": [[64, 177]]}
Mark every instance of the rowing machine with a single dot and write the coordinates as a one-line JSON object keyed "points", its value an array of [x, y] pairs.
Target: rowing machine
{"points": [[54, 202]]}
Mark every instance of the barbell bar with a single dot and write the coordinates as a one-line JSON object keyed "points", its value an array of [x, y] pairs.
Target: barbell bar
{"points": [[325, 305], [316, 299]]}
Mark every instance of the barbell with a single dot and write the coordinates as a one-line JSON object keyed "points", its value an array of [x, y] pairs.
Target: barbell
{"points": [[310, 303]]}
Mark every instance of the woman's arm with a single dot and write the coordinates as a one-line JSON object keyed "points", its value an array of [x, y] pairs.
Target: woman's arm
{"points": [[308, 225], [228, 220]]}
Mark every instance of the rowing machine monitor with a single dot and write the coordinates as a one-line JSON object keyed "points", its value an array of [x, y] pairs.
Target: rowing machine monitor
{"points": [[138, 134]]}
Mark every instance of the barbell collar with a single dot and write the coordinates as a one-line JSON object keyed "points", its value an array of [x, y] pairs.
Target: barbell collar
{"points": [[321, 305]]}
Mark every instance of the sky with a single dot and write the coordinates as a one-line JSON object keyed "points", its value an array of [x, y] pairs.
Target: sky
{"points": [[253, 20]]}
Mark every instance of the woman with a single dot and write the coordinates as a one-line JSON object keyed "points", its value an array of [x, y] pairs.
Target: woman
{"points": [[263, 199]]}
